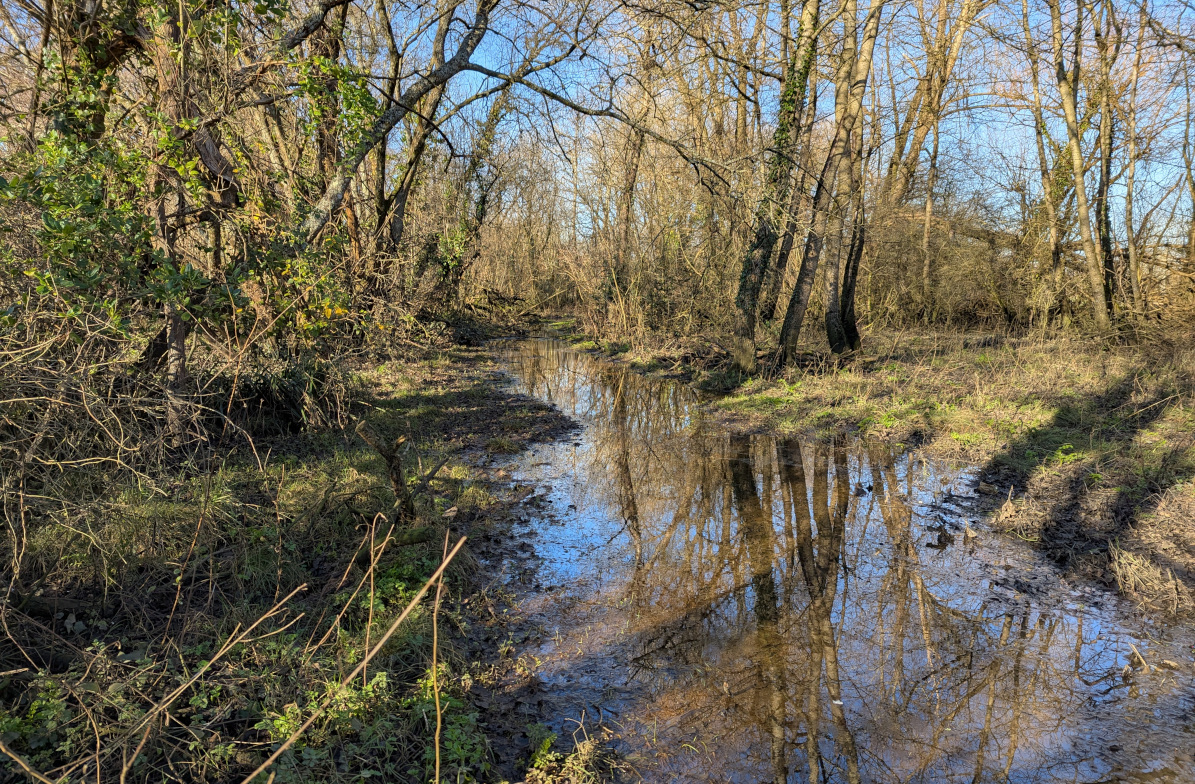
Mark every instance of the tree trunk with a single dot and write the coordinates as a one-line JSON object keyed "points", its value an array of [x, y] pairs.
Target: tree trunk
{"points": [[840, 299], [402, 195], [1067, 87], [473, 214], [942, 53], [325, 44], [1108, 51], [626, 204], [854, 255], [1049, 197], [836, 167], [1131, 173], [835, 333], [927, 294], [842, 196], [437, 76], [850, 278], [779, 179], [900, 143], [1103, 211], [1190, 168], [798, 206]]}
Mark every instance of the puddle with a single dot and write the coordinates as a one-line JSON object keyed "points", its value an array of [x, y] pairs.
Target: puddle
{"points": [[738, 608]]}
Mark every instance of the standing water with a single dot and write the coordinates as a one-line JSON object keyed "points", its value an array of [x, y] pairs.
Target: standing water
{"points": [[747, 608]]}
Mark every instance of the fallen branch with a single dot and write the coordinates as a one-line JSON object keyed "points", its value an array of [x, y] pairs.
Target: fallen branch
{"points": [[404, 502], [427, 478], [403, 539]]}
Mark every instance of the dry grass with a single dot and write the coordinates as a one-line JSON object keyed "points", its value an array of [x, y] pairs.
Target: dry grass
{"points": [[1096, 442], [127, 567], [1140, 577]]}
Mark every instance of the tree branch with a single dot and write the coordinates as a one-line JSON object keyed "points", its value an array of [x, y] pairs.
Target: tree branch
{"points": [[611, 112], [333, 196]]}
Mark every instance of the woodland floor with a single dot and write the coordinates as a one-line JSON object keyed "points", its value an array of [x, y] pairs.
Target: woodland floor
{"points": [[300, 522], [456, 405], [1087, 449]]}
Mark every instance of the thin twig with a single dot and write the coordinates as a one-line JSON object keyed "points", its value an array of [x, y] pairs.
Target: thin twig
{"points": [[128, 763], [33, 774], [286, 744], [435, 664], [429, 476]]}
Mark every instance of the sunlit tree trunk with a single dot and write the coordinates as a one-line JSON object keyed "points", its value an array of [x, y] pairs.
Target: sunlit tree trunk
{"points": [[626, 203], [1049, 197], [769, 214], [942, 53], [1067, 87], [843, 196], [798, 206], [835, 168], [1108, 52], [1131, 170], [858, 233], [1189, 164], [440, 72], [476, 190], [931, 182]]}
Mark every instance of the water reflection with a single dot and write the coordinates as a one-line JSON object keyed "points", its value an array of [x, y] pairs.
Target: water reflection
{"points": [[742, 608]]}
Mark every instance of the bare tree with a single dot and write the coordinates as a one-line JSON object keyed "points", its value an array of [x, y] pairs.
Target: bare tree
{"points": [[1068, 86], [769, 215], [850, 84]]}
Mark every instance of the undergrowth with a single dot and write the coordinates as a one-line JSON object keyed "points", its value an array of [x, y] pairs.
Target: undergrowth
{"points": [[175, 612]]}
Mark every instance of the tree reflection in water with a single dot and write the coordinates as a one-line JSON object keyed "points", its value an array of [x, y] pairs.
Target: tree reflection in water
{"points": [[773, 609]]}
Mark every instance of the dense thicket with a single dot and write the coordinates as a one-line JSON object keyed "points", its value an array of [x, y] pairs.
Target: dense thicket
{"points": [[275, 173]]}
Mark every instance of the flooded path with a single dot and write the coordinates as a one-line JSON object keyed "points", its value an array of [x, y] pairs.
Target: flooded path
{"points": [[752, 609]]}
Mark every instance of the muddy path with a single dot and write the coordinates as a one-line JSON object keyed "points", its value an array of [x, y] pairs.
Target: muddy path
{"points": [[724, 607]]}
